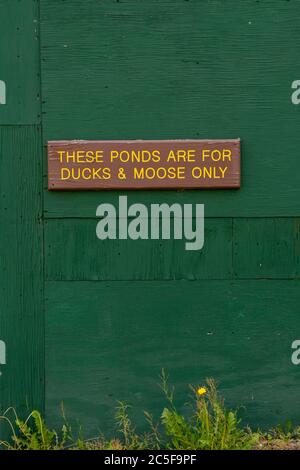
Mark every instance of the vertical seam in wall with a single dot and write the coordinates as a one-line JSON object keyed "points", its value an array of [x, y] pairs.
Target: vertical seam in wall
{"points": [[232, 249], [42, 209]]}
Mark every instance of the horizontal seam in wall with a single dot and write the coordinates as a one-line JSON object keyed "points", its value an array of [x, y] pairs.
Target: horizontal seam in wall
{"points": [[232, 280]]}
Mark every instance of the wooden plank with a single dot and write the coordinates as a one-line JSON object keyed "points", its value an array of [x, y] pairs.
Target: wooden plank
{"points": [[248, 249], [21, 273], [143, 164], [107, 341], [73, 252], [266, 248], [168, 69], [19, 61]]}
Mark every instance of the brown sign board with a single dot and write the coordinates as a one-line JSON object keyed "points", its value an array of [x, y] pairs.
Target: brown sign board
{"points": [[143, 164]]}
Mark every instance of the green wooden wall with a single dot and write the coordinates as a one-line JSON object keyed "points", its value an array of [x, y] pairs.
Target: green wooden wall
{"points": [[21, 201], [112, 314]]}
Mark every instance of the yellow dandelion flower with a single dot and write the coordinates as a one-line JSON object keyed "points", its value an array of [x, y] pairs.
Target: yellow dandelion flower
{"points": [[201, 391]]}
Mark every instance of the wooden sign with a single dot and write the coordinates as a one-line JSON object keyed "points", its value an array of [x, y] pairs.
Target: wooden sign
{"points": [[143, 164]]}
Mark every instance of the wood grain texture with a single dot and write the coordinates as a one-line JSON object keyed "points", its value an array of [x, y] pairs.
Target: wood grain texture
{"points": [[73, 252], [175, 69], [241, 248], [107, 341], [19, 61], [21, 273], [266, 248]]}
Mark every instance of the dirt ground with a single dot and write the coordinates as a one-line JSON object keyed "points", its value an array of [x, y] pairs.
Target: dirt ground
{"points": [[279, 444]]}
